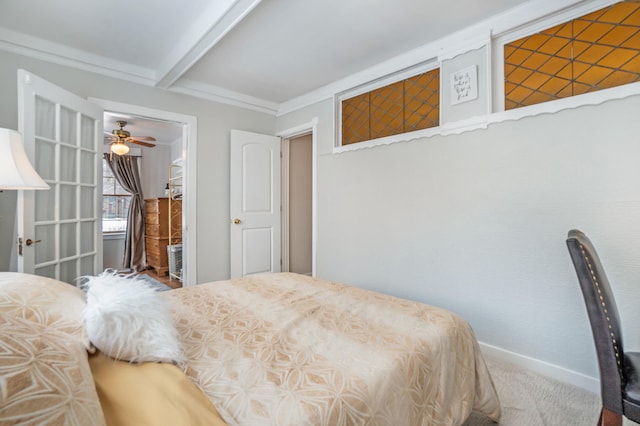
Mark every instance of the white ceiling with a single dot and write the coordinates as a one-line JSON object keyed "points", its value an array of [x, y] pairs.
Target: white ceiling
{"points": [[260, 53]]}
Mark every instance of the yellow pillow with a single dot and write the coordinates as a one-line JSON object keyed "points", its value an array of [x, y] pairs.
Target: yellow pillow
{"points": [[149, 394]]}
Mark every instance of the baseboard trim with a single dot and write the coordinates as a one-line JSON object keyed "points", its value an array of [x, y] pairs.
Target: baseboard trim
{"points": [[565, 375]]}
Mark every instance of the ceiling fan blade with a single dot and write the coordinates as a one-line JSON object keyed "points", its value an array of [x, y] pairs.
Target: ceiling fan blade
{"points": [[150, 145], [143, 138]]}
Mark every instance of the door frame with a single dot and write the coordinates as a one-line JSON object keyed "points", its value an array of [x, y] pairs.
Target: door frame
{"points": [[286, 136], [189, 156]]}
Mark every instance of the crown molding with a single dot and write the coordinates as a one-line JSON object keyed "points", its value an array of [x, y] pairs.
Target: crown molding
{"points": [[220, 18], [48, 51], [225, 96], [33, 47]]}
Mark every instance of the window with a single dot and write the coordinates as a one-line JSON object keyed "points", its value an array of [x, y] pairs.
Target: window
{"points": [[404, 106], [115, 202], [590, 53]]}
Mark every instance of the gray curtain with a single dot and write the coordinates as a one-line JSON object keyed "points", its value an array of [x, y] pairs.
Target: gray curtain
{"points": [[125, 169]]}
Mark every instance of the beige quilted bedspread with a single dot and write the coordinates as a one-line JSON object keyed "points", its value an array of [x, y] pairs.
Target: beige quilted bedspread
{"points": [[286, 349]]}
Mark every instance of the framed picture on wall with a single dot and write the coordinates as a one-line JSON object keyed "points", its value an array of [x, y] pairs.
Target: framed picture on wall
{"points": [[464, 85]]}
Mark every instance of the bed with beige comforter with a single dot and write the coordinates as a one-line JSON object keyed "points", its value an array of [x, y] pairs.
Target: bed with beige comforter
{"points": [[286, 349], [277, 349]]}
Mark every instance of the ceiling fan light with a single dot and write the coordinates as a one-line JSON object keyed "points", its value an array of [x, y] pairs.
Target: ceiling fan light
{"points": [[119, 148]]}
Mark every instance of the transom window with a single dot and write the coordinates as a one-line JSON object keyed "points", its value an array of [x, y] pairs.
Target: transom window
{"points": [[404, 106], [593, 52], [582, 56]]}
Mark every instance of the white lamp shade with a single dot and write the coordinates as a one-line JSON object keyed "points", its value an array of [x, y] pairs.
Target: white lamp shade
{"points": [[16, 171], [119, 148]]}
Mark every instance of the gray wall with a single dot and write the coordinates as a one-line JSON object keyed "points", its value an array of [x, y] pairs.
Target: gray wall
{"points": [[471, 108], [113, 252], [214, 122], [477, 222], [154, 170]]}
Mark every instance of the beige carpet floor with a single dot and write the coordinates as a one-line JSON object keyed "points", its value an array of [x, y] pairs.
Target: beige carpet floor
{"points": [[530, 399]]}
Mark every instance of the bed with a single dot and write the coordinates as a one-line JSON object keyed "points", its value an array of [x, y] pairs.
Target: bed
{"points": [[270, 349]]}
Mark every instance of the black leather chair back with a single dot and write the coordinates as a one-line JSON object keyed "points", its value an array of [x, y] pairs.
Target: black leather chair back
{"points": [[603, 316]]}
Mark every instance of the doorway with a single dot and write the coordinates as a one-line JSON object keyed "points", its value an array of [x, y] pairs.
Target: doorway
{"points": [[185, 128], [159, 159], [259, 225], [297, 204]]}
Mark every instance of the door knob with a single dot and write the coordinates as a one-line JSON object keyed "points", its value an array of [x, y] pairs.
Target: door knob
{"points": [[237, 221], [28, 242]]}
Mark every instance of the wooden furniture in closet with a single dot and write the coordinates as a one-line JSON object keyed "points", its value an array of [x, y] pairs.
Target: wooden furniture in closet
{"points": [[157, 231]]}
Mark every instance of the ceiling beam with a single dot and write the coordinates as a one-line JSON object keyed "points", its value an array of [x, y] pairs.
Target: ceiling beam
{"points": [[206, 32]]}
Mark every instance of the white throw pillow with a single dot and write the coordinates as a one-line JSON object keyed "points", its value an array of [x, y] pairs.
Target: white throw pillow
{"points": [[127, 319]]}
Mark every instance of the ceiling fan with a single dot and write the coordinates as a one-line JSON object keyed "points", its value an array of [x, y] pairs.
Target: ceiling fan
{"points": [[120, 137]]}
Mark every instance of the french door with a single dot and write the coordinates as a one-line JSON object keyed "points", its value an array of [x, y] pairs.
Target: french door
{"points": [[59, 230]]}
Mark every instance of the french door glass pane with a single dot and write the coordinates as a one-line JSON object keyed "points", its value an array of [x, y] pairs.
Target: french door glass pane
{"points": [[68, 128], [87, 131], [67, 202], [46, 122], [45, 159], [46, 247], [69, 271], [45, 202], [87, 167], [67, 164], [86, 265], [86, 237], [68, 240], [46, 271], [87, 203]]}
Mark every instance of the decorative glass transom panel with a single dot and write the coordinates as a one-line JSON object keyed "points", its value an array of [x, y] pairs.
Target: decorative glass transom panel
{"points": [[593, 52], [401, 107]]}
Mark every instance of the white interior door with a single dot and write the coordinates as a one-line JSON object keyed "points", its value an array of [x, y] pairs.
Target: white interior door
{"points": [[254, 203], [63, 139]]}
